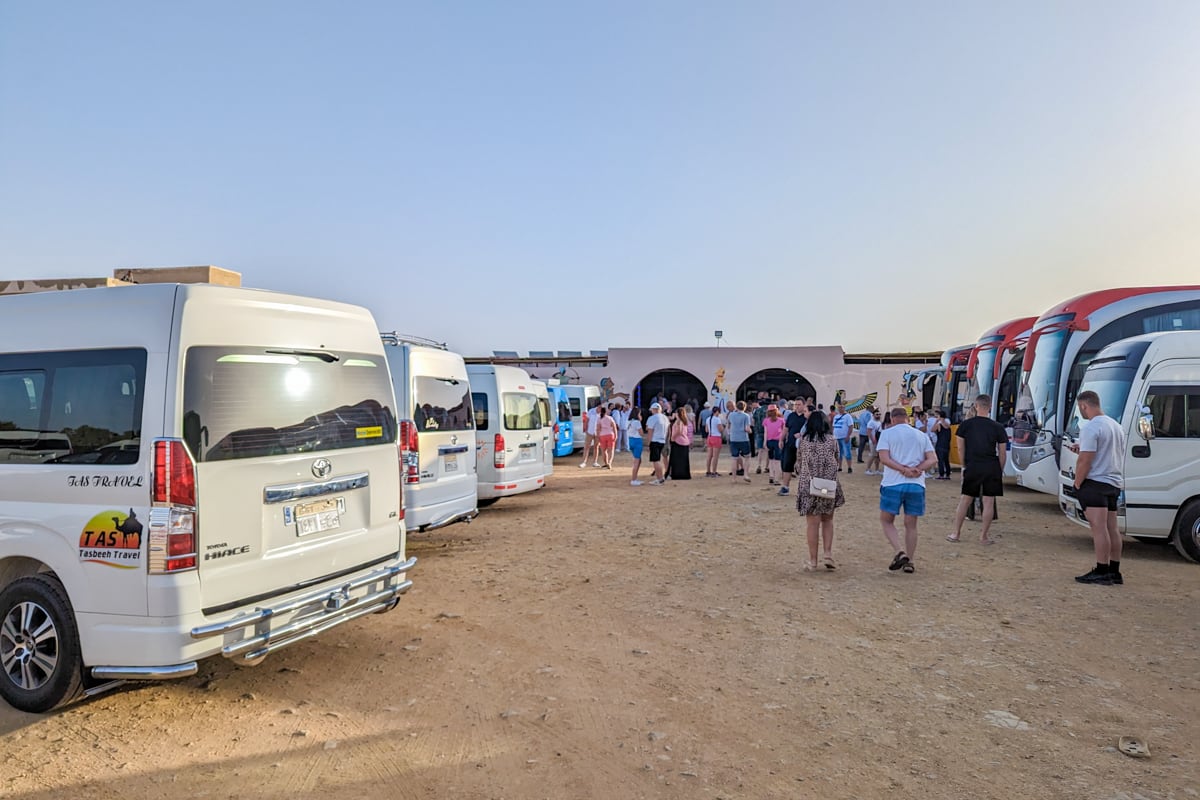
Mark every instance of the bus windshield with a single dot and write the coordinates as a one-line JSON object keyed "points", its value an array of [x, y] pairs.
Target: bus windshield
{"points": [[1039, 395], [984, 364]]}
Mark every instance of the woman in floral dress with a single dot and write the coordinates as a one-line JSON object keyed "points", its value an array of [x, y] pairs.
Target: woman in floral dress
{"points": [[817, 458]]}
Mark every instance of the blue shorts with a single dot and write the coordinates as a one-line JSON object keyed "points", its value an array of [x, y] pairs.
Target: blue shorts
{"points": [[772, 449], [758, 440], [740, 448], [844, 448], [635, 447], [909, 495]]}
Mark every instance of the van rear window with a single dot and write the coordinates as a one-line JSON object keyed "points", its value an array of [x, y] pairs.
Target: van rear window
{"points": [[72, 407], [246, 402], [442, 404], [521, 412]]}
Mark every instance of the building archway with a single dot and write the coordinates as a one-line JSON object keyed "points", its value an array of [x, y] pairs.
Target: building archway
{"points": [[776, 383], [681, 383]]}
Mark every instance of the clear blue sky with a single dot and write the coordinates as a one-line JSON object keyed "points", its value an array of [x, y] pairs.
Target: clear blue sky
{"points": [[883, 176]]}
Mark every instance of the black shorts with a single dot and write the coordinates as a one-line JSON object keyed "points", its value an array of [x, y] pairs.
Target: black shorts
{"points": [[789, 459], [983, 482], [656, 449], [1096, 494]]}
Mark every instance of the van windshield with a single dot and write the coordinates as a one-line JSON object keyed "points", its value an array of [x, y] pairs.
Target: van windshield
{"points": [[246, 402], [441, 404]]}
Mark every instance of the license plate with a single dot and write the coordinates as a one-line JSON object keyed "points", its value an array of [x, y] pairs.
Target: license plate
{"points": [[319, 516], [450, 462], [528, 454]]}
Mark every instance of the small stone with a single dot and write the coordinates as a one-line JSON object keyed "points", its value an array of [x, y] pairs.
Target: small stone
{"points": [[299, 733], [641, 652], [289, 669], [689, 774], [288, 711], [1006, 622], [655, 736], [411, 647], [512, 712], [1003, 719], [332, 744], [249, 696], [448, 615], [333, 714]]}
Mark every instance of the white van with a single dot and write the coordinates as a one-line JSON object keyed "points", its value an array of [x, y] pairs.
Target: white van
{"points": [[1150, 384], [549, 426], [581, 397], [246, 494], [508, 431], [437, 432]]}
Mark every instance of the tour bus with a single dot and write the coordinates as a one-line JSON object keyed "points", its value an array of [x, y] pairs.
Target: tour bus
{"points": [[248, 497], [549, 425], [994, 369], [920, 389], [508, 432], [437, 432], [1150, 384], [952, 391], [1062, 343], [560, 410], [580, 397]]}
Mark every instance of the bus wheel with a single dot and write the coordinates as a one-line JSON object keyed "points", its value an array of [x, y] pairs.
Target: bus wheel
{"points": [[40, 663], [1187, 531]]}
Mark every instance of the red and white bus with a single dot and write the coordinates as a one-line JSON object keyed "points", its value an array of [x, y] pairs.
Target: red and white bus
{"points": [[1061, 345]]}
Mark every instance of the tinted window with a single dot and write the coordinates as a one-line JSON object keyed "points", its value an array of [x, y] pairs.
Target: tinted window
{"points": [[441, 404], [73, 407], [574, 404], [521, 412], [1176, 411], [246, 402], [480, 402], [564, 412]]}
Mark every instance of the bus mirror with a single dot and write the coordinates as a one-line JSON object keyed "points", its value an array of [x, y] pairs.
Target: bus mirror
{"points": [[1146, 424]]}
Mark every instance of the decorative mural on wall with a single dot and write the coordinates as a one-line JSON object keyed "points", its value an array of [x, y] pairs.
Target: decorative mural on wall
{"points": [[721, 397], [858, 404], [608, 393]]}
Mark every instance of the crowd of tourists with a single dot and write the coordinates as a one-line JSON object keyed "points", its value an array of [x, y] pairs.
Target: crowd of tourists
{"points": [[801, 440]]}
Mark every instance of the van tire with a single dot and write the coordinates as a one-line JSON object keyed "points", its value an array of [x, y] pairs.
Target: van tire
{"points": [[484, 502], [42, 601], [1187, 531]]}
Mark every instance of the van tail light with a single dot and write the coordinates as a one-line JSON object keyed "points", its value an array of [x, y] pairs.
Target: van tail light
{"points": [[173, 530], [410, 453], [499, 457], [556, 430]]}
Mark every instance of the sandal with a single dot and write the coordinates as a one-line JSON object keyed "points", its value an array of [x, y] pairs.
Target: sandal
{"points": [[951, 538], [899, 561], [908, 567], [829, 564], [809, 566]]}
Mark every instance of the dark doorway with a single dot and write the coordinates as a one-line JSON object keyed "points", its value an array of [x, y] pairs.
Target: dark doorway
{"points": [[776, 383], [682, 384]]}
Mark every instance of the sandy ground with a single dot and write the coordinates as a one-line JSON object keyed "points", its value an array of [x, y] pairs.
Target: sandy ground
{"points": [[594, 640]]}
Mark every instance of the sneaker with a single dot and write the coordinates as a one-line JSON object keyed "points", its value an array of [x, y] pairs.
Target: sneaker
{"points": [[1095, 576], [596, 464], [849, 470], [656, 482], [758, 471], [635, 483], [583, 465], [783, 490]]}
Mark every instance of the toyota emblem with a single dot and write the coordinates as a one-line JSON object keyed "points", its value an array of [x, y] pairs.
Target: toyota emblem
{"points": [[321, 468]]}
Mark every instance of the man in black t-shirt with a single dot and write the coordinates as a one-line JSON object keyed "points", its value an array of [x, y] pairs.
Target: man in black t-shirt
{"points": [[983, 454], [793, 427]]}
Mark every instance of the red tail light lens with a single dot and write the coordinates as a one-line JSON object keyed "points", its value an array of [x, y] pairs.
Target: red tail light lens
{"points": [[173, 534], [410, 453], [498, 457]]}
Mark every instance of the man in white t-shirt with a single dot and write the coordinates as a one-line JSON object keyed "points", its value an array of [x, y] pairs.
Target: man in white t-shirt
{"points": [[591, 438], [1099, 479], [656, 429], [843, 426], [621, 417], [905, 454]]}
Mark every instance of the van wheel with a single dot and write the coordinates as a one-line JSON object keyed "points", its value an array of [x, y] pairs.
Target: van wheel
{"points": [[487, 501], [1187, 532], [39, 645]]}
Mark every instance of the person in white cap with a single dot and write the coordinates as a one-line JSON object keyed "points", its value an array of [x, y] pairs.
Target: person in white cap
{"points": [[656, 428]]}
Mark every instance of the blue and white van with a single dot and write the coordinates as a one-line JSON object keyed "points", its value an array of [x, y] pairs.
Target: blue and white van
{"points": [[560, 414]]}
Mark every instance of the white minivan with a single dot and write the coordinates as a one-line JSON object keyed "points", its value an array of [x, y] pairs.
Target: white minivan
{"points": [[232, 484], [1150, 384], [549, 426], [582, 398], [508, 431], [437, 432]]}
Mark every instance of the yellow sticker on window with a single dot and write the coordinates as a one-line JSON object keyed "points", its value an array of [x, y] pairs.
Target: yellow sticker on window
{"points": [[369, 433]]}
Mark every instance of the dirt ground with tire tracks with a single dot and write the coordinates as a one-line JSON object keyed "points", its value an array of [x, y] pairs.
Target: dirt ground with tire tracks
{"points": [[599, 640]]}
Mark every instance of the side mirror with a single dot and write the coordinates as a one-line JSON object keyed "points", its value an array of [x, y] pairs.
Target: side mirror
{"points": [[1146, 424]]}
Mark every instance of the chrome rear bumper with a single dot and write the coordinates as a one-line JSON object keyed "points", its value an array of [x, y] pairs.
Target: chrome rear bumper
{"points": [[314, 613]]}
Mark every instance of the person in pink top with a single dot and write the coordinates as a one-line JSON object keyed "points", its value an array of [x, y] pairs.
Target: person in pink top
{"points": [[772, 432], [681, 442], [606, 432]]}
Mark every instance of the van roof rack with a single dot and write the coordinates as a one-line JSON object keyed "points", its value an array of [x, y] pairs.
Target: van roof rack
{"points": [[397, 338]]}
